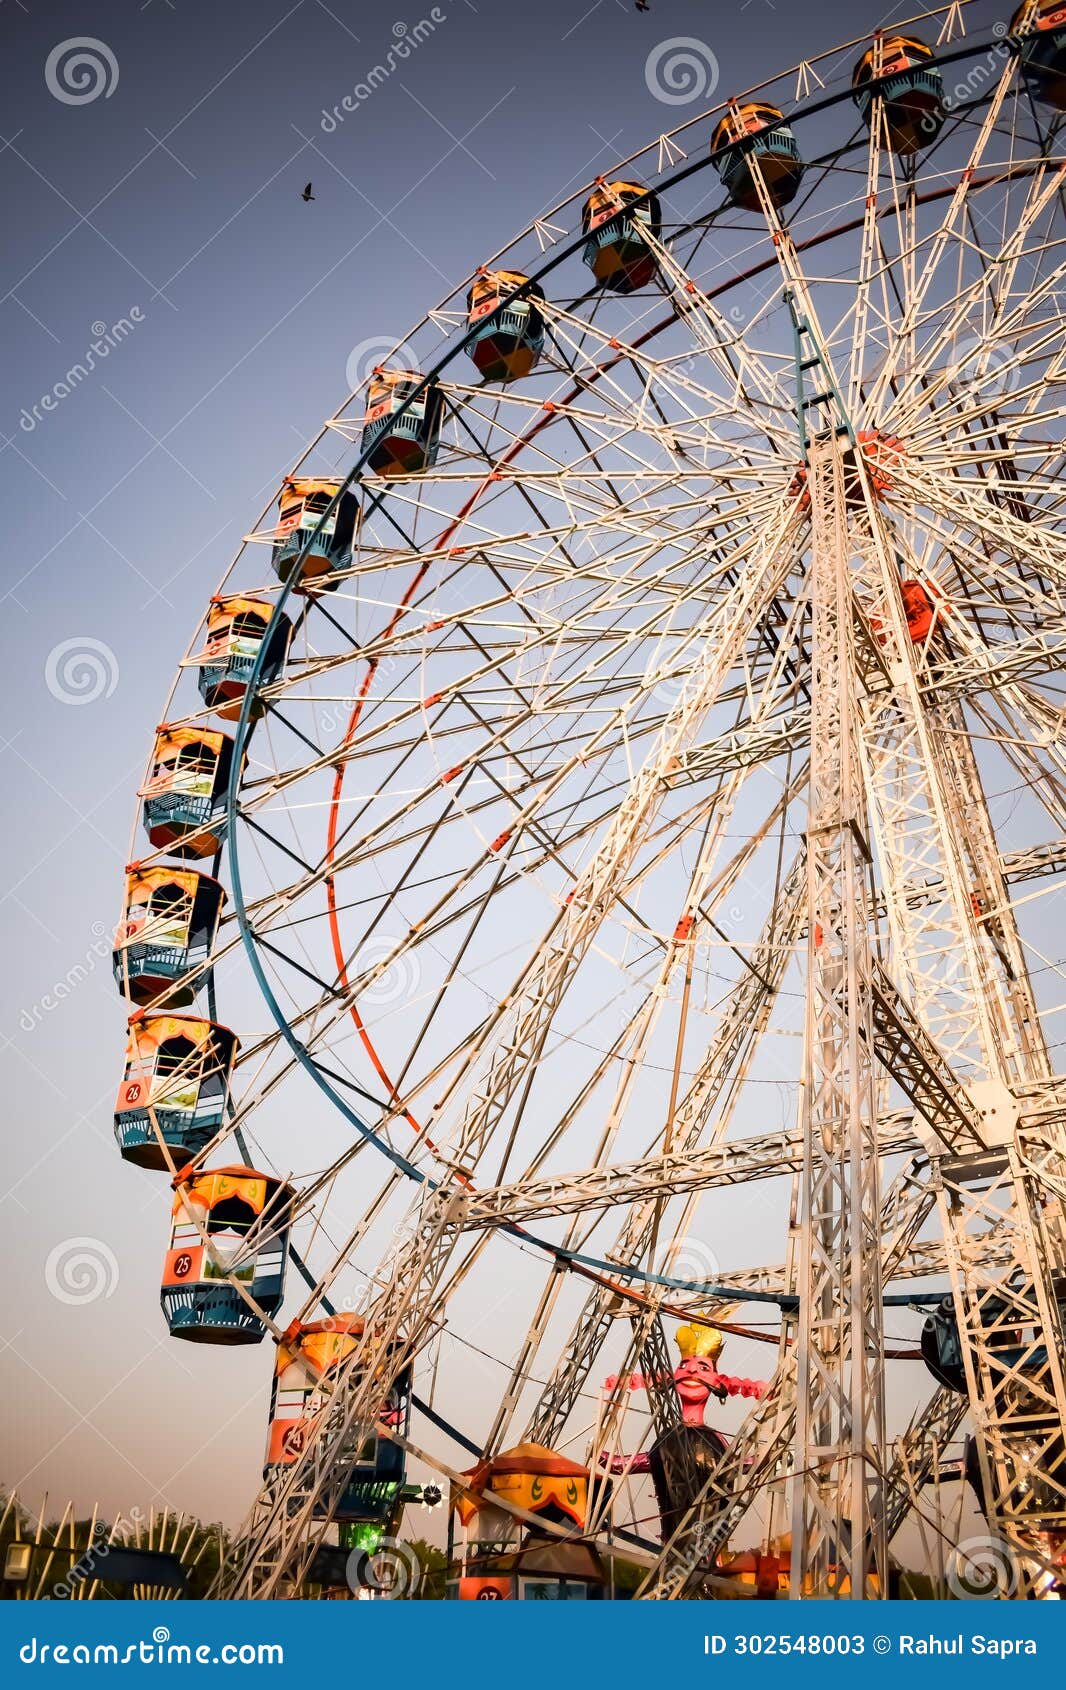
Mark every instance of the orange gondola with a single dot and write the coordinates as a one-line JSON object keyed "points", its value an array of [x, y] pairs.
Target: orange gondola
{"points": [[402, 441], [247, 1217], [905, 74], [236, 629], [308, 1355], [175, 1086], [500, 1557], [509, 346], [756, 134], [185, 795], [1043, 50], [618, 218], [308, 518], [169, 924]]}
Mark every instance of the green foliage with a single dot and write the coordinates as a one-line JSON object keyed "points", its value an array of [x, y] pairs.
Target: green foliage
{"points": [[918, 1587], [434, 1564]]}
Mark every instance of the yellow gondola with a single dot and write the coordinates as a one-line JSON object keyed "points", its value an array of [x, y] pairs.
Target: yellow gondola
{"points": [[175, 1085], [1043, 50], [169, 924], [510, 346], [236, 629], [246, 1216], [303, 522], [756, 133], [402, 442], [911, 89], [618, 218], [185, 794]]}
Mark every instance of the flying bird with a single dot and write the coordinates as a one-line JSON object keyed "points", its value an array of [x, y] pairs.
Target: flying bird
{"points": [[307, 194], [642, 5]]}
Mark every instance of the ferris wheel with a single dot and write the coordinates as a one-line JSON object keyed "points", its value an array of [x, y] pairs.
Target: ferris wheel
{"points": [[617, 785]]}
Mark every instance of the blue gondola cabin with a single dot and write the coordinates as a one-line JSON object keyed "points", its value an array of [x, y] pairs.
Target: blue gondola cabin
{"points": [[302, 508], [169, 926], [754, 139], [307, 1359], [402, 441], [619, 219], [236, 629], [902, 70], [1043, 51], [175, 1087], [185, 794], [508, 346], [246, 1217]]}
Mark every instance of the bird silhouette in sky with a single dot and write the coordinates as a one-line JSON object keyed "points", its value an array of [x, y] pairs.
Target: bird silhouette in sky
{"points": [[307, 194], [642, 5]]}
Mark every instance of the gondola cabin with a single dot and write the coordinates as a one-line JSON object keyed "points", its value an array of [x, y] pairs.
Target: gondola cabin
{"points": [[169, 924], [307, 1359], [942, 1343], [306, 536], [501, 1557], [175, 1086], [236, 629], [754, 139], [246, 1217], [618, 219], [508, 346], [185, 795], [402, 441], [1043, 51], [903, 71]]}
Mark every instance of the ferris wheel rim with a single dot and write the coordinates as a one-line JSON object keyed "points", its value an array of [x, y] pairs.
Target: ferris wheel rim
{"points": [[232, 801], [449, 354], [663, 181]]}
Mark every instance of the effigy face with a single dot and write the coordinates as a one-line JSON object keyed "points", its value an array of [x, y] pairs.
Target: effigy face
{"points": [[695, 1379]]}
